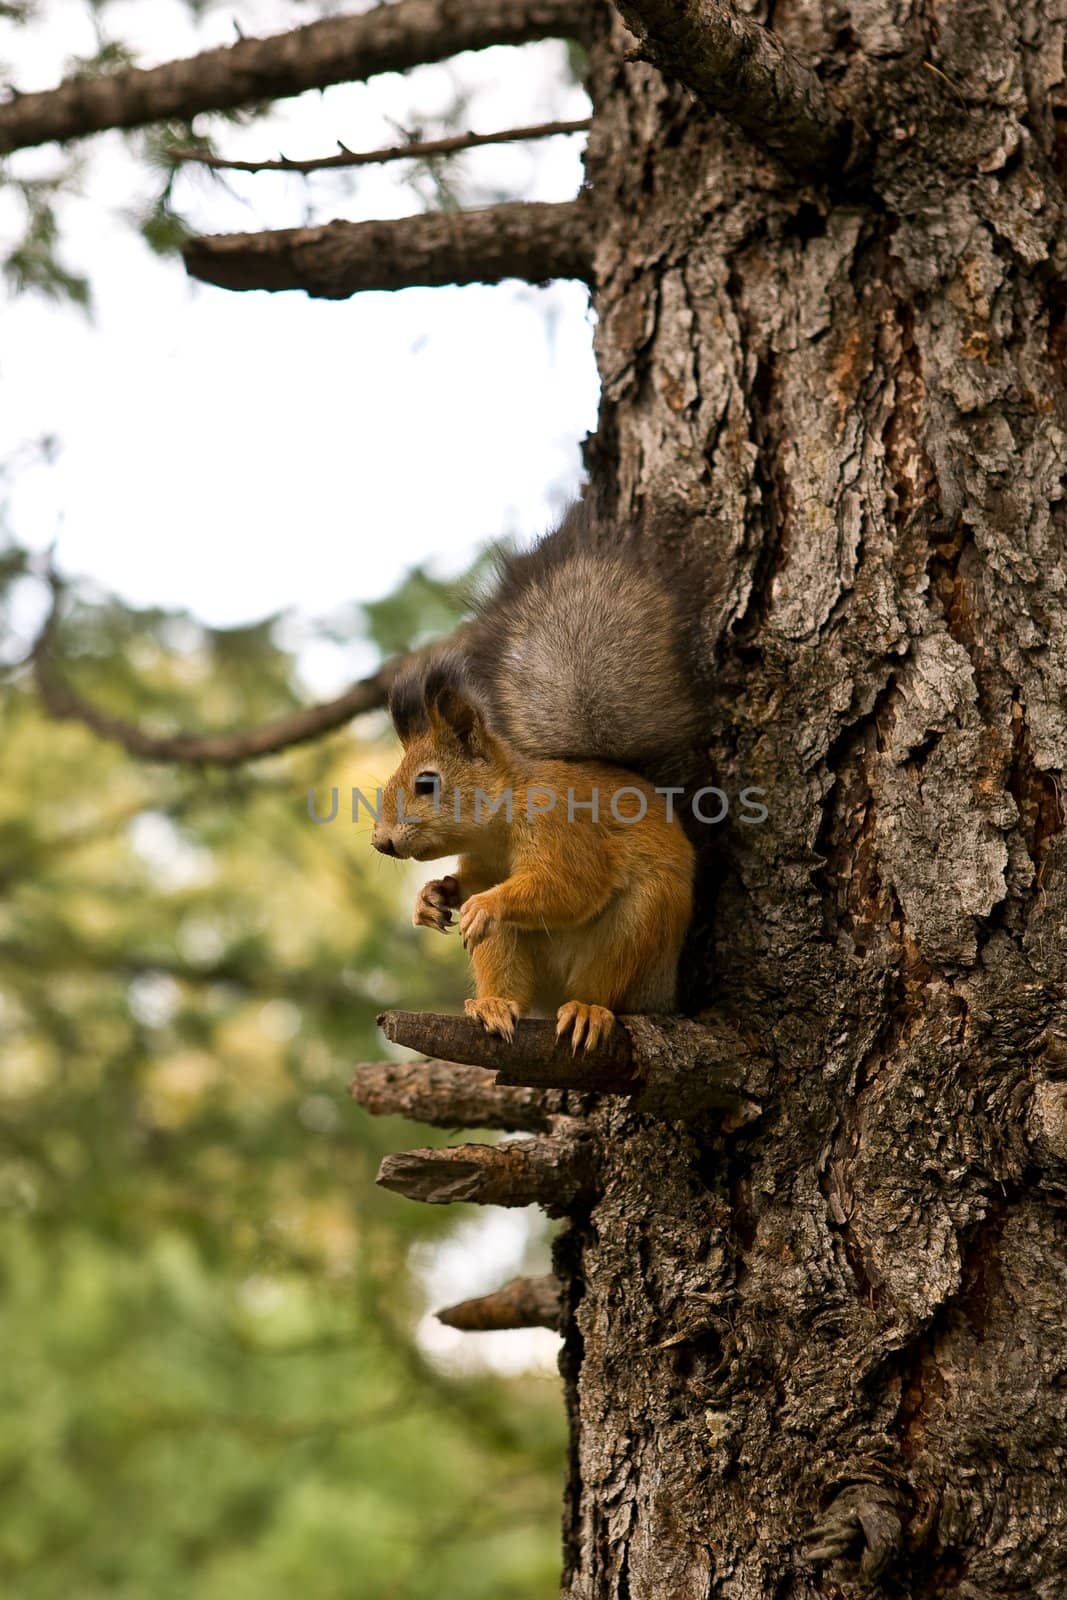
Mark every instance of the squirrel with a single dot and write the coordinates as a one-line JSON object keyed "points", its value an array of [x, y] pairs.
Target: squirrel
{"points": [[532, 742]]}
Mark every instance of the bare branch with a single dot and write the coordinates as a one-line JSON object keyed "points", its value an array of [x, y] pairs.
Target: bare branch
{"points": [[745, 72], [548, 1172], [385, 38], [518, 240], [414, 150], [534, 1056], [210, 749], [672, 1067], [448, 1096], [522, 1303]]}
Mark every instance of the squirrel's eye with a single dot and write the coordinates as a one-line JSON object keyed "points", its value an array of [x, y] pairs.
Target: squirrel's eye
{"points": [[427, 783]]}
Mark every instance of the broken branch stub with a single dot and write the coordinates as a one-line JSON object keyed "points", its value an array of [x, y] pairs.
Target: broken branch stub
{"points": [[554, 1173]]}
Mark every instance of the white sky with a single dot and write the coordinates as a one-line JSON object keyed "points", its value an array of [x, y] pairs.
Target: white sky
{"points": [[238, 454]]}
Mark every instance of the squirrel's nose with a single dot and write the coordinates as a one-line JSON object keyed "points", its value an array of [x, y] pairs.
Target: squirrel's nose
{"points": [[386, 846]]}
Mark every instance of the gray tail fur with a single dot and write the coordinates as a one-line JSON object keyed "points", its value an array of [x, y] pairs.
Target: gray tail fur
{"points": [[582, 654]]}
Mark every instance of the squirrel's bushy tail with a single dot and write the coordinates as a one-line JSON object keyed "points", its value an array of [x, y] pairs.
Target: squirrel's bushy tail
{"points": [[580, 652]]}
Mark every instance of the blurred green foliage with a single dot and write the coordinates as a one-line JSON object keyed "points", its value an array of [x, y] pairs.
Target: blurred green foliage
{"points": [[210, 1383]]}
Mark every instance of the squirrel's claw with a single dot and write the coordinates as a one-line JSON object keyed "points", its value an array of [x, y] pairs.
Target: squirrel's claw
{"points": [[496, 1016], [587, 1024], [426, 916], [435, 903]]}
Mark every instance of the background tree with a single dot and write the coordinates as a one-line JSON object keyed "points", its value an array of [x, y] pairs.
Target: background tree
{"points": [[823, 1352]]}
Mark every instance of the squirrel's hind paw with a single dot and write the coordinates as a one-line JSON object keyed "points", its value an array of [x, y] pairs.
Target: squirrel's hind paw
{"points": [[585, 1023], [495, 1016]]}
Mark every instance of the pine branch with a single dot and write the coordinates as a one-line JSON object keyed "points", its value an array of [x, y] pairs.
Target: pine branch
{"points": [[549, 1172], [448, 1096], [535, 242], [414, 150], [385, 38], [745, 72], [65, 704], [671, 1067], [522, 1303]]}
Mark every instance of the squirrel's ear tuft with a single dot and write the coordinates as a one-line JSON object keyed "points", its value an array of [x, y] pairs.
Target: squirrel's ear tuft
{"points": [[407, 705], [453, 711]]}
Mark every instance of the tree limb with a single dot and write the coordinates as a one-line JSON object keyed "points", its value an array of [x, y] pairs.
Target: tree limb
{"points": [[414, 150], [534, 241], [522, 1303], [385, 38], [448, 1096], [534, 1056], [745, 72], [672, 1067], [210, 749], [548, 1172]]}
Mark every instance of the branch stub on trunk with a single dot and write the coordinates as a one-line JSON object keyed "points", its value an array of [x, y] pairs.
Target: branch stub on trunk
{"points": [[531, 240], [446, 1095], [522, 1303], [549, 1172]]}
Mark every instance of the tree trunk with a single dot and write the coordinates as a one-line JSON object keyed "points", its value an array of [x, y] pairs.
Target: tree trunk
{"points": [[828, 1356]]}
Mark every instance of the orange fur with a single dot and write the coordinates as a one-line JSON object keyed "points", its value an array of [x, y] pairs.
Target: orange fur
{"points": [[582, 917]]}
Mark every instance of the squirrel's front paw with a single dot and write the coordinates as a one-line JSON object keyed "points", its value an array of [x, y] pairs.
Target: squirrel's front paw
{"points": [[495, 1016], [583, 1022], [476, 919], [436, 902]]}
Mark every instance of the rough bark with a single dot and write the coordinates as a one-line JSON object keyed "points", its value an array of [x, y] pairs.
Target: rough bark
{"points": [[826, 1357], [385, 38], [535, 241], [445, 1095], [743, 70], [555, 1173]]}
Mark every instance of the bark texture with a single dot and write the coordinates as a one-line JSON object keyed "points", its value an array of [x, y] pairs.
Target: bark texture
{"points": [[744, 71], [445, 1095], [384, 38], [826, 1357], [552, 1172]]}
